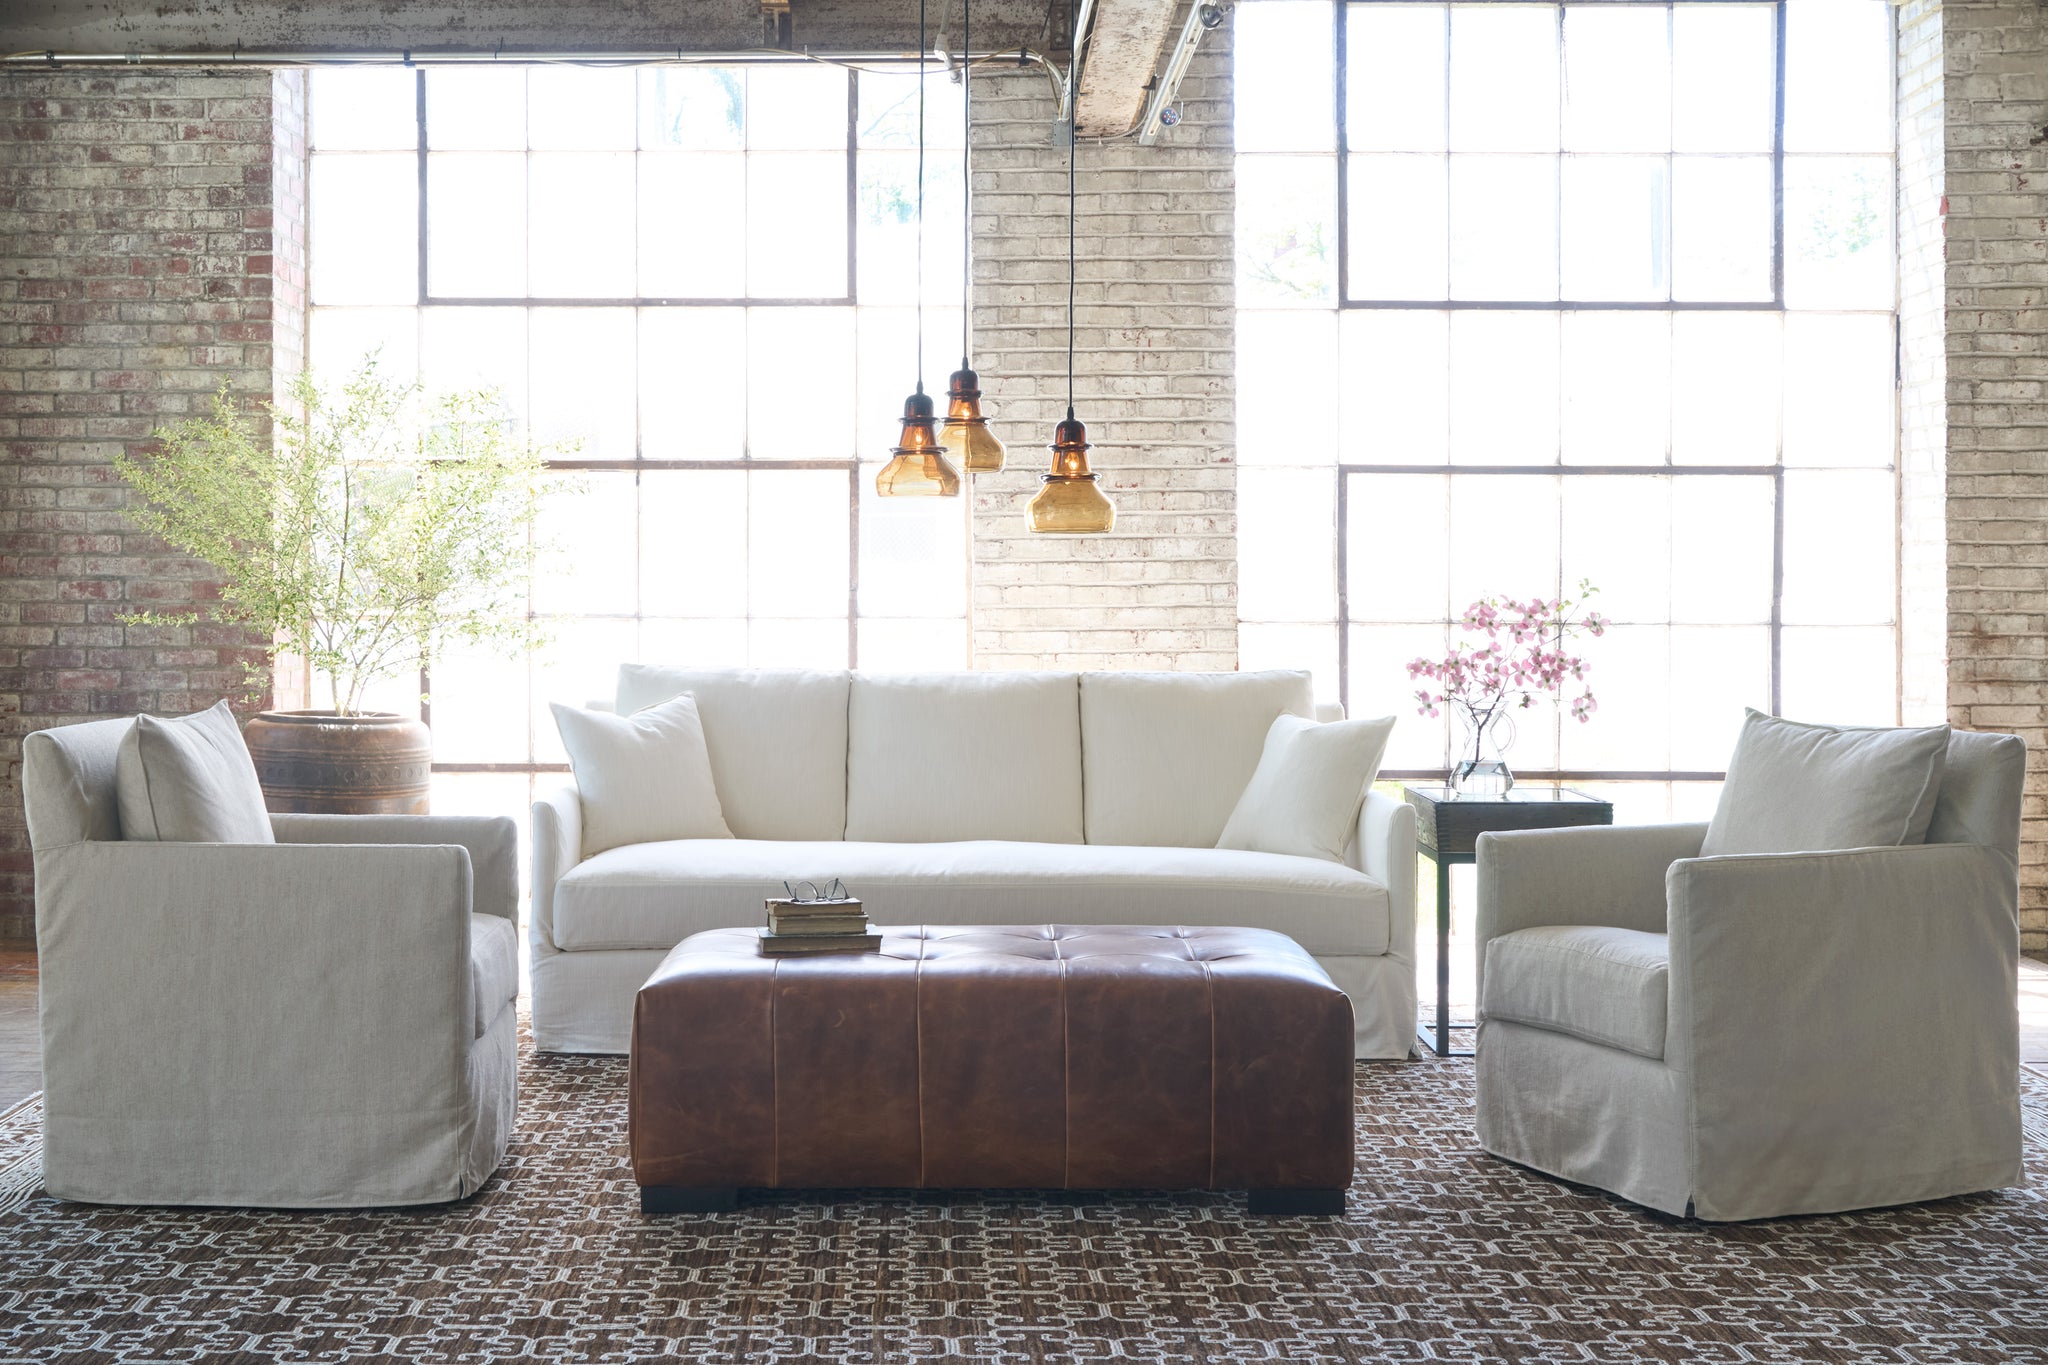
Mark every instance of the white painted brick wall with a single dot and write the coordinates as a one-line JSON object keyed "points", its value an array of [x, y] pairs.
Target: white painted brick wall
{"points": [[1996, 81], [1153, 382]]}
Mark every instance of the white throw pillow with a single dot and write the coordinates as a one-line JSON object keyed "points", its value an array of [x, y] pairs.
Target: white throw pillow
{"points": [[1304, 797], [189, 780], [643, 777], [1796, 788], [777, 738]]}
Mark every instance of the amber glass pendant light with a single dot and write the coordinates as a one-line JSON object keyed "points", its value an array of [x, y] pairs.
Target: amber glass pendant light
{"points": [[966, 431], [917, 466], [1069, 502]]}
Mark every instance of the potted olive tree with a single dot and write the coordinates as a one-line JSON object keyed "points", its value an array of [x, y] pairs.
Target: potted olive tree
{"points": [[372, 527]]}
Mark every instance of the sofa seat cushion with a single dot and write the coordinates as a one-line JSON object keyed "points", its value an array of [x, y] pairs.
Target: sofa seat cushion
{"points": [[657, 895], [493, 968], [1607, 986]]}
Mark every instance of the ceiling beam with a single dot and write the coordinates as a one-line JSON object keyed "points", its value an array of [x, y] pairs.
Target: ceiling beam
{"points": [[1122, 53], [147, 27]]}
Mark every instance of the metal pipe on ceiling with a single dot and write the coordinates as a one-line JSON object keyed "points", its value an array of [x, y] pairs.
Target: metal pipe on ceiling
{"points": [[1201, 19], [409, 57]]}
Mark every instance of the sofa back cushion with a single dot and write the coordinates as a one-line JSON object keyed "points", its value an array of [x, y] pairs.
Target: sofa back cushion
{"points": [[1166, 755], [933, 757], [777, 740]]}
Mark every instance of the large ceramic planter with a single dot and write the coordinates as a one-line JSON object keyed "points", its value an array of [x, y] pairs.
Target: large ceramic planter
{"points": [[318, 763]]}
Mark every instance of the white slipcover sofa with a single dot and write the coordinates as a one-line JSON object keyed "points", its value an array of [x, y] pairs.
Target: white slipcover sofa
{"points": [[969, 798]]}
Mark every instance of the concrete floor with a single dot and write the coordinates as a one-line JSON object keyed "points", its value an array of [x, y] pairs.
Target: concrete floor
{"points": [[21, 1068]]}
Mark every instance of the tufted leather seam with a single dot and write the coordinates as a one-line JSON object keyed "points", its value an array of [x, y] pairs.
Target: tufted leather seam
{"points": [[1066, 1072], [923, 939], [1209, 982], [774, 1079]]}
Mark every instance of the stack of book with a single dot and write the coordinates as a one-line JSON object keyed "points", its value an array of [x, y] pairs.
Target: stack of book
{"points": [[832, 926]]}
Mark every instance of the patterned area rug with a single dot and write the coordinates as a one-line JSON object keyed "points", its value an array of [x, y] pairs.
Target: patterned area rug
{"points": [[1443, 1254]]}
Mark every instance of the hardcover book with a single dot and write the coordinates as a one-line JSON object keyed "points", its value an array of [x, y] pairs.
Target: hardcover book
{"points": [[802, 945]]}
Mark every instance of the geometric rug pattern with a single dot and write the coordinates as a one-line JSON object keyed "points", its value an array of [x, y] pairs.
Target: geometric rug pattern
{"points": [[1442, 1254]]}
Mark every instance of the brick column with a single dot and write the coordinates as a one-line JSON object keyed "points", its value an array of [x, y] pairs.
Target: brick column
{"points": [[1995, 59], [140, 222], [1154, 381]]}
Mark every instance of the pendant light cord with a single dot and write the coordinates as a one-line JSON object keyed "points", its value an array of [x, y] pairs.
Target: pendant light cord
{"points": [[921, 46], [1073, 146], [966, 176]]}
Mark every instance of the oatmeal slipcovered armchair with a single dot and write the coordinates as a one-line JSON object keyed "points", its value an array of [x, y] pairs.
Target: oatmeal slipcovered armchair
{"points": [[323, 1021], [1738, 1037]]}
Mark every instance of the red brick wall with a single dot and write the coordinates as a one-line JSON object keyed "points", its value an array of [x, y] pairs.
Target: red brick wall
{"points": [[140, 269]]}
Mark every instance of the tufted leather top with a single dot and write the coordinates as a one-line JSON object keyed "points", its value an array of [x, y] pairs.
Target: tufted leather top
{"points": [[1062, 1056]]}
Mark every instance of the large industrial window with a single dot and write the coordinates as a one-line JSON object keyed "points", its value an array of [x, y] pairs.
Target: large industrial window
{"points": [[1535, 293], [703, 277]]}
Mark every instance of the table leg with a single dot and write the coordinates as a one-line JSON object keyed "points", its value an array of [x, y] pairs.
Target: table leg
{"points": [[1438, 1039], [1443, 958]]}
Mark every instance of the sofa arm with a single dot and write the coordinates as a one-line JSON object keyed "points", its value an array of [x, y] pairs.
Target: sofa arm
{"points": [[1843, 1012], [557, 847], [1384, 849], [492, 841], [1607, 875], [235, 981]]}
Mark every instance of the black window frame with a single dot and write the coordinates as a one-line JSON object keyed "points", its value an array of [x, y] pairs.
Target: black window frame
{"points": [[1346, 472]]}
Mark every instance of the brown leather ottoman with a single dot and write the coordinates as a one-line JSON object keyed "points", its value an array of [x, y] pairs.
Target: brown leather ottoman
{"points": [[1060, 1056]]}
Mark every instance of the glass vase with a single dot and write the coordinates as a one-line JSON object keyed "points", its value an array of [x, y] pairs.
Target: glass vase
{"points": [[1479, 765]]}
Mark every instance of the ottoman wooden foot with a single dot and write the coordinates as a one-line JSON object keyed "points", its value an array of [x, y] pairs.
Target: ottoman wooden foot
{"points": [[1285, 1202], [658, 1199]]}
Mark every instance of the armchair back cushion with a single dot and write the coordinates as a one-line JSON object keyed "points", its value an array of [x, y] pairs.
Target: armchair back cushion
{"points": [[67, 783], [1165, 756], [777, 740], [1795, 788], [1980, 792], [936, 757], [189, 780]]}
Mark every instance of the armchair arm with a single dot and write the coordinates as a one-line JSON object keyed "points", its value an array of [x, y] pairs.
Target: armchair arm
{"points": [[1847, 1012], [557, 847], [228, 983], [1608, 875], [492, 841], [1384, 849]]}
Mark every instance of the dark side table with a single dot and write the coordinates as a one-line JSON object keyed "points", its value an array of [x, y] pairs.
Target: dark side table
{"points": [[1448, 826]]}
